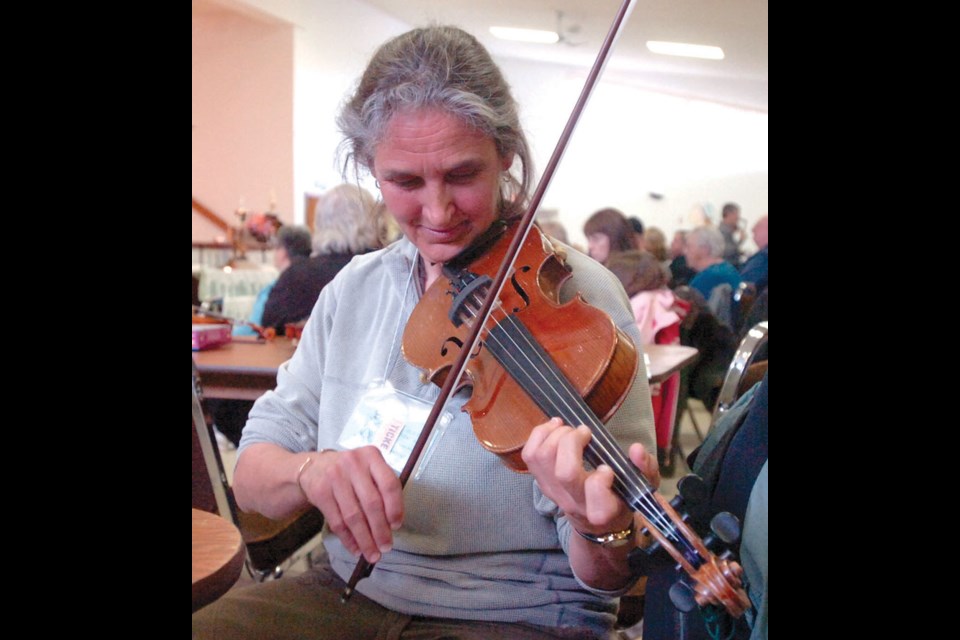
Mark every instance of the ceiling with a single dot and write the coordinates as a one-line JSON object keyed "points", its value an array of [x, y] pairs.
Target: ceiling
{"points": [[739, 27]]}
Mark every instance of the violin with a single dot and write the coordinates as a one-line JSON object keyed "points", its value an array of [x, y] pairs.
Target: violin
{"points": [[539, 358]]}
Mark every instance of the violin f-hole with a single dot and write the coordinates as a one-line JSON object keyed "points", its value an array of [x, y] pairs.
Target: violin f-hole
{"points": [[519, 288]]}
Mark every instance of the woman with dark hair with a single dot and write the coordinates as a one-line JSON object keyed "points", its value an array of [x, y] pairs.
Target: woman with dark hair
{"points": [[608, 231]]}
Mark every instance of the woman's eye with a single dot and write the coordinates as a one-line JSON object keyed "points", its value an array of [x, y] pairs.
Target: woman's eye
{"points": [[462, 177], [407, 183]]}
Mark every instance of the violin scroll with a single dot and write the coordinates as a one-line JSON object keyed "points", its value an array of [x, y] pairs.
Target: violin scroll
{"points": [[717, 579]]}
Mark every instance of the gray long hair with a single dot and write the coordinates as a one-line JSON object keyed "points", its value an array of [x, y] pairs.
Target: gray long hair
{"points": [[346, 221], [436, 67]]}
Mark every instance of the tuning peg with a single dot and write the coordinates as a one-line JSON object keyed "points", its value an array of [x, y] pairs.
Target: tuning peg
{"points": [[726, 526], [691, 491], [725, 529], [683, 596]]}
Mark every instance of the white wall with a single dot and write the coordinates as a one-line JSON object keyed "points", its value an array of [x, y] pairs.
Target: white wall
{"points": [[627, 144]]}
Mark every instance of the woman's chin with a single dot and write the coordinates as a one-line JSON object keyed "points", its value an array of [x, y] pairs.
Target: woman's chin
{"points": [[436, 254]]}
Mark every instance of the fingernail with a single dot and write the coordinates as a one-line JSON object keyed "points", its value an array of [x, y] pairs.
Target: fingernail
{"points": [[384, 548]]}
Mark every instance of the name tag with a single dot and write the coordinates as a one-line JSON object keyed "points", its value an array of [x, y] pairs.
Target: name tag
{"points": [[389, 420]]}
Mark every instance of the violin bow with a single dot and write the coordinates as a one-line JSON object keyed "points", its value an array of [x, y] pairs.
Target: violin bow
{"points": [[363, 568]]}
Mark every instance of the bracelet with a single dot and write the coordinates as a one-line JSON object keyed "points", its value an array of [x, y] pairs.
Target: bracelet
{"points": [[612, 539], [300, 473]]}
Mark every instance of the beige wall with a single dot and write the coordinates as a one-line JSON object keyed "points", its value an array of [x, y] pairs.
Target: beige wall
{"points": [[242, 116]]}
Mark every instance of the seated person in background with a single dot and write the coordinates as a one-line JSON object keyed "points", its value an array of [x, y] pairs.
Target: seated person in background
{"points": [[293, 245], [755, 268], [733, 463], [346, 224], [680, 271], [658, 314], [655, 242], [608, 231], [705, 256], [715, 342], [229, 416]]}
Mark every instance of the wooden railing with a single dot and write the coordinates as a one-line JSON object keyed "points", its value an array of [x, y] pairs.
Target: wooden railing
{"points": [[236, 246], [205, 211]]}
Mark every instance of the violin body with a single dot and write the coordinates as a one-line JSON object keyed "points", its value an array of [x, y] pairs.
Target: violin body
{"points": [[598, 359]]}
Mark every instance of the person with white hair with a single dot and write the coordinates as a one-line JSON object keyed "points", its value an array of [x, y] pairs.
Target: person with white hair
{"points": [[346, 224], [704, 254]]}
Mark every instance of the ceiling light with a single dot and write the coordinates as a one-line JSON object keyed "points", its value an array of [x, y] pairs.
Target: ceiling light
{"points": [[526, 35], [686, 50]]}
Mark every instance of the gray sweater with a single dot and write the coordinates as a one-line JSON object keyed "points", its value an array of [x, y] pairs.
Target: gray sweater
{"points": [[479, 541]]}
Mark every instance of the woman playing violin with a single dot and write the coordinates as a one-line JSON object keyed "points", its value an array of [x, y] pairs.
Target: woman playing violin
{"points": [[470, 548]]}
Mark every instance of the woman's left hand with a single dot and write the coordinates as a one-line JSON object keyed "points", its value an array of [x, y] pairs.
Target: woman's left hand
{"points": [[554, 455]]}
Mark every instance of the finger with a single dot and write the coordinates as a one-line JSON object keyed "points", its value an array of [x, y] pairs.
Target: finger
{"points": [[369, 525], [569, 461], [646, 463], [538, 435], [391, 492], [355, 525], [602, 506], [336, 487]]}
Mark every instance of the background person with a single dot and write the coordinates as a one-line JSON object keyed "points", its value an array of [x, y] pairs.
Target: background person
{"points": [[346, 224], [293, 246], [704, 254], [229, 416], [658, 314], [680, 271], [607, 232], [732, 233], [755, 268]]}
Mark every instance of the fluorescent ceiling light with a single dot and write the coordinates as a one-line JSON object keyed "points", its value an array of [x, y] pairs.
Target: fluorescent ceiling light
{"points": [[686, 50], [526, 35]]}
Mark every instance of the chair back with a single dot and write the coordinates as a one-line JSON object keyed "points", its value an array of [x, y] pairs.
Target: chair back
{"points": [[210, 487], [721, 304], [743, 299], [739, 367], [270, 544]]}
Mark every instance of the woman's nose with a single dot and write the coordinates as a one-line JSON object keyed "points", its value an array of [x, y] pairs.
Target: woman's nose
{"points": [[437, 204]]}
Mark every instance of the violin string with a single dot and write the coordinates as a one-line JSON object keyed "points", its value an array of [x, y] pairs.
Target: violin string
{"points": [[609, 451], [644, 502], [559, 402]]}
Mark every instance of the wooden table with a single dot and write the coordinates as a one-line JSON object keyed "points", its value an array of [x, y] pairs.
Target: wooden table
{"points": [[665, 359], [218, 555], [242, 369]]}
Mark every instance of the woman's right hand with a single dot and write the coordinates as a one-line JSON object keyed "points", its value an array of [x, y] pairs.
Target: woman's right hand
{"points": [[360, 497]]}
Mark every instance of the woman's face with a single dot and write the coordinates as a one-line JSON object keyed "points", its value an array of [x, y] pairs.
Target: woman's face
{"points": [[440, 179], [598, 246]]}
